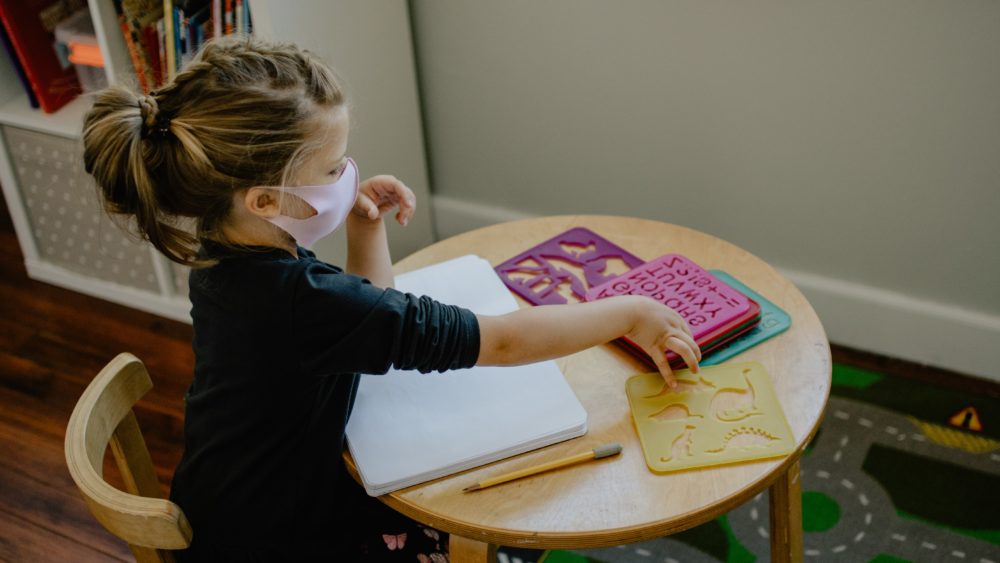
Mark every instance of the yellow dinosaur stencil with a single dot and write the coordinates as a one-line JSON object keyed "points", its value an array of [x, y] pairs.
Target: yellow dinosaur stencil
{"points": [[726, 414]]}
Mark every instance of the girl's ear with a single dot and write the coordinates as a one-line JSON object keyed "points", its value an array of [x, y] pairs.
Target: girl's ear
{"points": [[262, 202]]}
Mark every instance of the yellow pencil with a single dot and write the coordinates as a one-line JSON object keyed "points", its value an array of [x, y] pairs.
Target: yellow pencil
{"points": [[597, 453]]}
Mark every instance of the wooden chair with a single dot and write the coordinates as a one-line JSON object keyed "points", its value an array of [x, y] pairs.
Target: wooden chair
{"points": [[149, 523]]}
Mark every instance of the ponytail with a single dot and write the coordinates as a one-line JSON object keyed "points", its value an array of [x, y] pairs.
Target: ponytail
{"points": [[119, 138]]}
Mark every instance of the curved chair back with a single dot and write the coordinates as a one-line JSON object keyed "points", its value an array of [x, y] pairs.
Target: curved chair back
{"points": [[103, 415]]}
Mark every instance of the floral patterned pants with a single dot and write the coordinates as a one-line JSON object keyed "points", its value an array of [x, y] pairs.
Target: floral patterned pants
{"points": [[387, 536]]}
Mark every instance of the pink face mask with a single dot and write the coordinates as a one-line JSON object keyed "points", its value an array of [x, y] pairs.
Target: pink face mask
{"points": [[332, 203]]}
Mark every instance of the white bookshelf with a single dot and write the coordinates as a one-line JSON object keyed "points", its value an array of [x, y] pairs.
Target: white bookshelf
{"points": [[41, 166]]}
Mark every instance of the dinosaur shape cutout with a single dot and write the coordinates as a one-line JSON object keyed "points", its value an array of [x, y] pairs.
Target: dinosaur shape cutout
{"points": [[725, 414], [732, 404]]}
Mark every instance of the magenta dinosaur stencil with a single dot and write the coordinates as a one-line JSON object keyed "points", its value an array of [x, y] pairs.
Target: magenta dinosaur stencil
{"points": [[564, 267]]}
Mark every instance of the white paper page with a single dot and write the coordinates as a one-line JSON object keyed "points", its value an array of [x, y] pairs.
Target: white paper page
{"points": [[409, 427]]}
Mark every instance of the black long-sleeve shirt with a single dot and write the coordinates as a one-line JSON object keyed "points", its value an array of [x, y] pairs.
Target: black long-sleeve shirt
{"points": [[279, 342]]}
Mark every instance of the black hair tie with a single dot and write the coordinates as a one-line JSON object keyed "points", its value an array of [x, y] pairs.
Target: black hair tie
{"points": [[153, 122]]}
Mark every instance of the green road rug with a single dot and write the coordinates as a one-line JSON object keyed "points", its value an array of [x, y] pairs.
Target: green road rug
{"points": [[899, 471]]}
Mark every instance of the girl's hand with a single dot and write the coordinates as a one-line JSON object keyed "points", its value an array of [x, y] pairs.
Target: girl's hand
{"points": [[659, 328], [380, 194]]}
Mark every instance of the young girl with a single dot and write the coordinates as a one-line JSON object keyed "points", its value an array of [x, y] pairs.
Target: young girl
{"points": [[249, 144]]}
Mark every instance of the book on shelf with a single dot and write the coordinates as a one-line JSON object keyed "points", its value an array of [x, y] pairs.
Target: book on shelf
{"points": [[15, 63], [163, 35], [30, 27], [136, 18], [403, 428]]}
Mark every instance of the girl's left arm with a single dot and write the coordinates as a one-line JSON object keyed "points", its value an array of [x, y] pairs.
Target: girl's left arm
{"points": [[367, 244]]}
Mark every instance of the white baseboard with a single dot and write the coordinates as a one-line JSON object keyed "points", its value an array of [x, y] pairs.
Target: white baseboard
{"points": [[175, 308], [900, 326], [855, 315]]}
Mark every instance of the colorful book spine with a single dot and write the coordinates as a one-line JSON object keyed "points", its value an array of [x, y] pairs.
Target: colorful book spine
{"points": [[15, 62], [216, 18], [151, 41], [161, 45], [197, 25], [228, 18], [247, 24], [133, 53], [168, 38]]}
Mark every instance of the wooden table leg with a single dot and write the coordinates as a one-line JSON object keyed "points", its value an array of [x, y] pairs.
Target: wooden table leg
{"points": [[786, 517], [464, 550]]}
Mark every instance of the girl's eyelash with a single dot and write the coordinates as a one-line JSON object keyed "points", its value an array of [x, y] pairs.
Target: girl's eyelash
{"points": [[338, 169]]}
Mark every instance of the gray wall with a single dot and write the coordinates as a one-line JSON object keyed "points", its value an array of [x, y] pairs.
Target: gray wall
{"points": [[854, 144]]}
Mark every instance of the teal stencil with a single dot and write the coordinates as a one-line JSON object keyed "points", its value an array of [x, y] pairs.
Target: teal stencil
{"points": [[773, 321]]}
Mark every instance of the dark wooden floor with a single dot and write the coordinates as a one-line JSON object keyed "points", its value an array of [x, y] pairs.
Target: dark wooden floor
{"points": [[53, 341]]}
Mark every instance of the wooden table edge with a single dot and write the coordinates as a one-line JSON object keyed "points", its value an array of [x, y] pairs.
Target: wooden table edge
{"points": [[588, 539]]}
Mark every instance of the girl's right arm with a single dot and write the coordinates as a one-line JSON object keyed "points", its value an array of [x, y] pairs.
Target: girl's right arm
{"points": [[546, 332]]}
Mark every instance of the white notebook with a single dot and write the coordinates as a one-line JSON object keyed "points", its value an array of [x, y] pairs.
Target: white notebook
{"points": [[408, 427]]}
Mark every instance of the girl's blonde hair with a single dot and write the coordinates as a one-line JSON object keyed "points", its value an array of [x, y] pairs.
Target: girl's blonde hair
{"points": [[236, 117]]}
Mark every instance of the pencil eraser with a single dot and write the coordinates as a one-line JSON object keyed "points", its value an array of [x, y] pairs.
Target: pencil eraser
{"points": [[607, 450]]}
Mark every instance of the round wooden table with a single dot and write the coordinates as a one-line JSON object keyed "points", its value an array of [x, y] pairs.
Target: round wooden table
{"points": [[618, 500]]}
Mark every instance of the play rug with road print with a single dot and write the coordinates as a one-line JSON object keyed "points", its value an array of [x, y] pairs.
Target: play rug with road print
{"points": [[899, 471]]}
